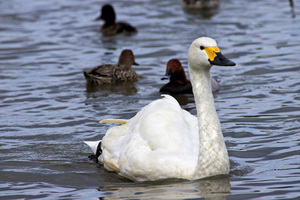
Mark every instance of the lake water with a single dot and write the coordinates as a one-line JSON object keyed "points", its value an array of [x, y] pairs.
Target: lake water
{"points": [[47, 111]]}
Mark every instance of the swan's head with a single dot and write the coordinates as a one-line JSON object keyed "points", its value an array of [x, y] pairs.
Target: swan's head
{"points": [[204, 52]]}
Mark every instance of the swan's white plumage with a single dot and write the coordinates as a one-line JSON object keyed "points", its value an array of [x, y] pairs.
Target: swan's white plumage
{"points": [[143, 145], [164, 141]]}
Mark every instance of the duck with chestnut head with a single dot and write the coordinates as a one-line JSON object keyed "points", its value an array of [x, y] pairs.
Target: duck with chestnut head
{"points": [[178, 82]]}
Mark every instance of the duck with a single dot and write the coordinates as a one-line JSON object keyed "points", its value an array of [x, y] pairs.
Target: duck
{"points": [[164, 141], [200, 4], [110, 26], [178, 83], [109, 73]]}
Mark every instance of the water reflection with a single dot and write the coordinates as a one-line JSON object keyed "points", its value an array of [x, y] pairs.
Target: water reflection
{"points": [[184, 99], [212, 188], [292, 8], [126, 89], [202, 13]]}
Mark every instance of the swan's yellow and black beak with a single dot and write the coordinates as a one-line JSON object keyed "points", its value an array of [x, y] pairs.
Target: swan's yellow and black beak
{"points": [[215, 57]]}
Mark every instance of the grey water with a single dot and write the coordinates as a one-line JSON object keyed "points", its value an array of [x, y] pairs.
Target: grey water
{"points": [[47, 111]]}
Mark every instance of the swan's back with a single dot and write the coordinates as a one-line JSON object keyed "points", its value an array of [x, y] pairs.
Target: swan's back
{"points": [[161, 137]]}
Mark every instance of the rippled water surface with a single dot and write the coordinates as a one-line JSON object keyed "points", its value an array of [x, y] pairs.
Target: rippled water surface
{"points": [[47, 110]]}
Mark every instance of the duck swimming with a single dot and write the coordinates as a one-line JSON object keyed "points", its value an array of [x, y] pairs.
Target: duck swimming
{"points": [[108, 74], [164, 141], [178, 83], [110, 26]]}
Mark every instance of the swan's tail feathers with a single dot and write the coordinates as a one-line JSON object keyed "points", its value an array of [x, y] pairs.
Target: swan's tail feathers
{"points": [[96, 148], [119, 121]]}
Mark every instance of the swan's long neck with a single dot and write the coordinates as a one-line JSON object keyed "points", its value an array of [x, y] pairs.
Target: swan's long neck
{"points": [[212, 150]]}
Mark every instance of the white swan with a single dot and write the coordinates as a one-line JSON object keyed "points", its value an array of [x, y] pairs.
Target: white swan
{"points": [[164, 141]]}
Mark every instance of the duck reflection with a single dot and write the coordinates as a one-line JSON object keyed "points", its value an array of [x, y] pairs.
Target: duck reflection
{"points": [[212, 188], [126, 89], [184, 99], [292, 5]]}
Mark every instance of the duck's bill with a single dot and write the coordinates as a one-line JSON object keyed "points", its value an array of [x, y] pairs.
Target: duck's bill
{"points": [[215, 57], [165, 77]]}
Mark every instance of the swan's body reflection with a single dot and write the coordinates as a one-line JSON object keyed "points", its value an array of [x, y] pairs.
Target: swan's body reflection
{"points": [[216, 188]]}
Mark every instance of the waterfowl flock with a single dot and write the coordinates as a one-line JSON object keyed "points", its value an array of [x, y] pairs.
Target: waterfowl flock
{"points": [[163, 140]]}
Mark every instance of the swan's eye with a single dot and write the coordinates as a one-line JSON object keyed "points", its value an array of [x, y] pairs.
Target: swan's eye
{"points": [[201, 47]]}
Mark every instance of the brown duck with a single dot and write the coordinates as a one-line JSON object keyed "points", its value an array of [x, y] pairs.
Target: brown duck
{"points": [[108, 73]]}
